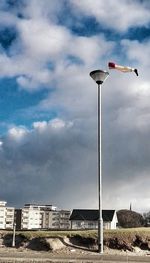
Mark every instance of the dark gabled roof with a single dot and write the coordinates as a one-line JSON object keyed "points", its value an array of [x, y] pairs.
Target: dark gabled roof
{"points": [[91, 215]]}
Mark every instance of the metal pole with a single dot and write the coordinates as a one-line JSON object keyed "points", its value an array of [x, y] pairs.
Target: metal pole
{"points": [[14, 232], [100, 221]]}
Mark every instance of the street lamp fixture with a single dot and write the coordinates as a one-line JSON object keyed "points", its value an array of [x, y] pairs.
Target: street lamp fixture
{"points": [[99, 76]]}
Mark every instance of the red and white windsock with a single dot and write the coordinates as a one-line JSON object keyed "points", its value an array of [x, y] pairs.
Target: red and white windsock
{"points": [[112, 65]]}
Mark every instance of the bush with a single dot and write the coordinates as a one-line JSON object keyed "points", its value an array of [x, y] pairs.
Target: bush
{"points": [[128, 218]]}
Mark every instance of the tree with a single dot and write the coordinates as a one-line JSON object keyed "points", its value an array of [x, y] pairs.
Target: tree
{"points": [[128, 218], [147, 218]]}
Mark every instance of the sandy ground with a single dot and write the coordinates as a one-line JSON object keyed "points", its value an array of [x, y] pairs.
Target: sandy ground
{"points": [[71, 254], [72, 249]]}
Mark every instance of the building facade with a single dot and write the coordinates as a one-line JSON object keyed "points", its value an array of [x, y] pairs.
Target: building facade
{"points": [[6, 216], [88, 219], [58, 219], [64, 219], [34, 216]]}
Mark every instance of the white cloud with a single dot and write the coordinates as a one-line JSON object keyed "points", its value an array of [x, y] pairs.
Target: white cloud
{"points": [[59, 124], [17, 133], [90, 49], [118, 15], [43, 47], [56, 124], [42, 39], [40, 125], [44, 9], [137, 51]]}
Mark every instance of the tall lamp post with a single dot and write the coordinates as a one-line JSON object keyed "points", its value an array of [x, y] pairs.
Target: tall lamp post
{"points": [[99, 76]]}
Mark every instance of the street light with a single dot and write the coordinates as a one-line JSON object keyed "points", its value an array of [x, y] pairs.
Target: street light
{"points": [[99, 76], [14, 235]]}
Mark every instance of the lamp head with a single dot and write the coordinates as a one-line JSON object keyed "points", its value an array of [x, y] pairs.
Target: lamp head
{"points": [[99, 76]]}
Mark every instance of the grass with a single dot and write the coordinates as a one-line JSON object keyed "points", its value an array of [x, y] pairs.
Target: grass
{"points": [[128, 233], [68, 233]]}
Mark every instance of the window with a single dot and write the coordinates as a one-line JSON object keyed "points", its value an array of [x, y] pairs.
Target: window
{"points": [[78, 224]]}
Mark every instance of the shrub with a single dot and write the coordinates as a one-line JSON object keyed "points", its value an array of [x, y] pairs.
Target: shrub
{"points": [[128, 218]]}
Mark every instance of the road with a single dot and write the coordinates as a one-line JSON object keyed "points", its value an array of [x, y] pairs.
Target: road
{"points": [[16, 257]]}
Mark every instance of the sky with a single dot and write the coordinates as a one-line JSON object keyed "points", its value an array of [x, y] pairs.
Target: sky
{"points": [[48, 103]]}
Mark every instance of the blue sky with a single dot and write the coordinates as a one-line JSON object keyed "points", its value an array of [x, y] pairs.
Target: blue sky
{"points": [[48, 108]]}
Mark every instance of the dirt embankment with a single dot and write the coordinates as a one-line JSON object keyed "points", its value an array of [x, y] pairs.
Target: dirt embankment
{"points": [[128, 244], [47, 243], [127, 241]]}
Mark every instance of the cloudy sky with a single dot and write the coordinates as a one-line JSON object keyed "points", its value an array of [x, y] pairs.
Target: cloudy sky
{"points": [[48, 102]]}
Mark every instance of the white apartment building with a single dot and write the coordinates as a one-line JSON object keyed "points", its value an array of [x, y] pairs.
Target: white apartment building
{"points": [[44, 217], [6, 216], [35, 216], [31, 218]]}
